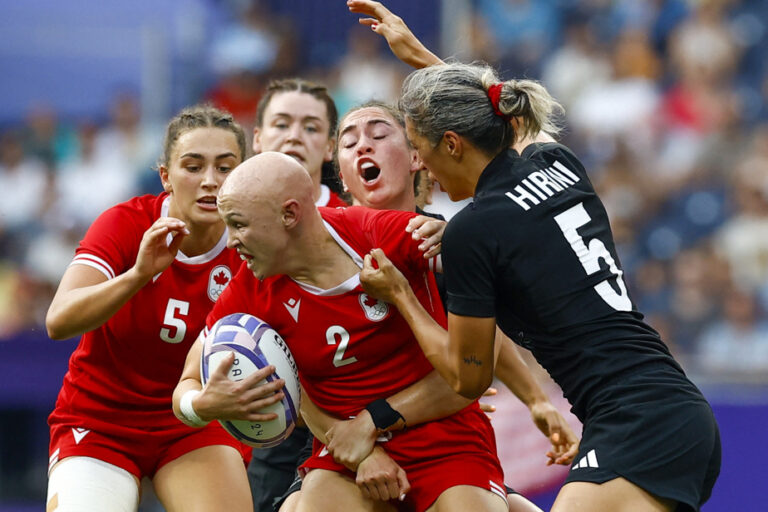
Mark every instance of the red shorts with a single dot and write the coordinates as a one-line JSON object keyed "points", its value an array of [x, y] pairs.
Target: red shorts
{"points": [[141, 453], [457, 450]]}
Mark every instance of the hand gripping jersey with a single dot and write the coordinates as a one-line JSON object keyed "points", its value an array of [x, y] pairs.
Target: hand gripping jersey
{"points": [[350, 348], [535, 250], [123, 373]]}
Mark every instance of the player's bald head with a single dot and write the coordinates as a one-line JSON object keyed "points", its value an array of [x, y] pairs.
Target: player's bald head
{"points": [[268, 176]]}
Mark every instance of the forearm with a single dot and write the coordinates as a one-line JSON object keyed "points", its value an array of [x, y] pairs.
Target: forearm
{"points": [[515, 374], [79, 310], [317, 420], [429, 399], [432, 338]]}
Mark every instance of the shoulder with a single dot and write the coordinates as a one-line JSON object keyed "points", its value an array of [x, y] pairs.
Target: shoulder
{"points": [[138, 210]]}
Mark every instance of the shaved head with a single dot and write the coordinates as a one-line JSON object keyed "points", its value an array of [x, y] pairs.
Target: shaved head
{"points": [[268, 207], [269, 176]]}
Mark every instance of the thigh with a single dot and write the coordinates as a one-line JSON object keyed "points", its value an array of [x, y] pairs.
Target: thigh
{"points": [[466, 497], [329, 491], [85, 483], [617, 495], [208, 479]]}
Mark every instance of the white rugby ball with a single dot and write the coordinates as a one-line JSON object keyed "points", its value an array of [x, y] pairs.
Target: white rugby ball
{"points": [[256, 345]]}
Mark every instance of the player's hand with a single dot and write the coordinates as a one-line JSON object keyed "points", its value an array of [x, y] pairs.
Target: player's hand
{"points": [[380, 478], [488, 408], [225, 399], [155, 254], [383, 281], [351, 441], [565, 442], [405, 46], [429, 231]]}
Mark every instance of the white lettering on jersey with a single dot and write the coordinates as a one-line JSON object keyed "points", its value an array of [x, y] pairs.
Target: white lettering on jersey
{"points": [[590, 255], [375, 310], [540, 185], [218, 279], [343, 334], [172, 321], [293, 308]]}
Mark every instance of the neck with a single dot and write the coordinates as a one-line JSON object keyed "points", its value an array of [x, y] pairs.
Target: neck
{"points": [[521, 144], [201, 238], [329, 265]]}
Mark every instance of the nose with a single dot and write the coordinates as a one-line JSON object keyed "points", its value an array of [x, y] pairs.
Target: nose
{"points": [[232, 241], [294, 132], [209, 177], [364, 146]]}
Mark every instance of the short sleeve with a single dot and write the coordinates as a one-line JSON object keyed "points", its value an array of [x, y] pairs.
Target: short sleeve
{"points": [[112, 242], [386, 230], [469, 265]]}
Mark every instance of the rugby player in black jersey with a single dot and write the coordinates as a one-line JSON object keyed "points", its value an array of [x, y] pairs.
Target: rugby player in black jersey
{"points": [[534, 253]]}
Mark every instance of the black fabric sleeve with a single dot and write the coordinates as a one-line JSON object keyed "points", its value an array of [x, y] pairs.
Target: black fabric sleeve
{"points": [[469, 264]]}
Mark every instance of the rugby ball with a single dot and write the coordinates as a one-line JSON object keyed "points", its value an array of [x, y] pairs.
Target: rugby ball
{"points": [[255, 345]]}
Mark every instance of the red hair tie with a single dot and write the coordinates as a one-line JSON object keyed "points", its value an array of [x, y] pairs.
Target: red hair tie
{"points": [[494, 93]]}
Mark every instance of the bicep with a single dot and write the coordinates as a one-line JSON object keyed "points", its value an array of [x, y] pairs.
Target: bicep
{"points": [[472, 349], [76, 277]]}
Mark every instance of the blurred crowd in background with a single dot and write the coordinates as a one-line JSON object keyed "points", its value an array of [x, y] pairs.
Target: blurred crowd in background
{"points": [[666, 103]]}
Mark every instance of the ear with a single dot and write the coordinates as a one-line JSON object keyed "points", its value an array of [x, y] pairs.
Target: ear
{"points": [[453, 144], [163, 172], [291, 213], [256, 140], [416, 163], [328, 157]]}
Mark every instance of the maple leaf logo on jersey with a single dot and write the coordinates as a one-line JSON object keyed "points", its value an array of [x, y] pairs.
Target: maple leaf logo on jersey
{"points": [[375, 310], [218, 280]]}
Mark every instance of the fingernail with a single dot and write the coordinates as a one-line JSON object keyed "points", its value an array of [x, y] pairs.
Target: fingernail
{"points": [[402, 497]]}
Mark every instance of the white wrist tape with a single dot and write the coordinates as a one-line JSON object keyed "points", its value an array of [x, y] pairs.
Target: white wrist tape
{"points": [[188, 412]]}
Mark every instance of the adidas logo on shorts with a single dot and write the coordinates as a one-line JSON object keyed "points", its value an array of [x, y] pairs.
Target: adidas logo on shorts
{"points": [[587, 461]]}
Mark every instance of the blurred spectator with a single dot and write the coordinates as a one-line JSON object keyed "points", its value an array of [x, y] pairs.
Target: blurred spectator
{"points": [[736, 344], [743, 239], [365, 73], [127, 139], [45, 138], [90, 182], [25, 183], [256, 46], [522, 32]]}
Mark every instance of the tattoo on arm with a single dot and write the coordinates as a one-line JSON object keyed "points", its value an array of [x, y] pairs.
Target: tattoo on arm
{"points": [[473, 360]]}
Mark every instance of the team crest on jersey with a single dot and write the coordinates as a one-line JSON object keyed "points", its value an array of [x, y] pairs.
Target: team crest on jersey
{"points": [[218, 280], [375, 309]]}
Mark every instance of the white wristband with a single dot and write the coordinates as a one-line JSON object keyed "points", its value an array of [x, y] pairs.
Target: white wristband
{"points": [[188, 412]]}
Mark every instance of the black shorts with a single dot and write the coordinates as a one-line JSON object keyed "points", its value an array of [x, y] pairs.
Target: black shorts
{"points": [[656, 430], [272, 470], [303, 454]]}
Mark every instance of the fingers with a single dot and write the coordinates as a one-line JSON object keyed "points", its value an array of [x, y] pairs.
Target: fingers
{"points": [[403, 483], [487, 407], [491, 392], [369, 8]]}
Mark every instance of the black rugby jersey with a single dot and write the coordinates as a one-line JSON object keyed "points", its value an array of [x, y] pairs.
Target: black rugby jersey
{"points": [[534, 249]]}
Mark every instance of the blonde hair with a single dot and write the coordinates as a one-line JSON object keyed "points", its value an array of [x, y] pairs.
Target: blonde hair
{"points": [[454, 97]]}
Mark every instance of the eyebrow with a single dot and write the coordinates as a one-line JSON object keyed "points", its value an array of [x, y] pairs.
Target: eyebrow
{"points": [[372, 122], [305, 118], [201, 157]]}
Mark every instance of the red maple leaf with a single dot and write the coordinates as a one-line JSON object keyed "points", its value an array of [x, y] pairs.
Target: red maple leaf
{"points": [[370, 301], [221, 278]]}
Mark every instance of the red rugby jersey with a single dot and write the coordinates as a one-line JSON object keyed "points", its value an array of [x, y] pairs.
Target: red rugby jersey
{"points": [[350, 348], [124, 372]]}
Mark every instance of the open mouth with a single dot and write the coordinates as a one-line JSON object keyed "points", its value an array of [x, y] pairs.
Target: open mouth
{"points": [[369, 172]]}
